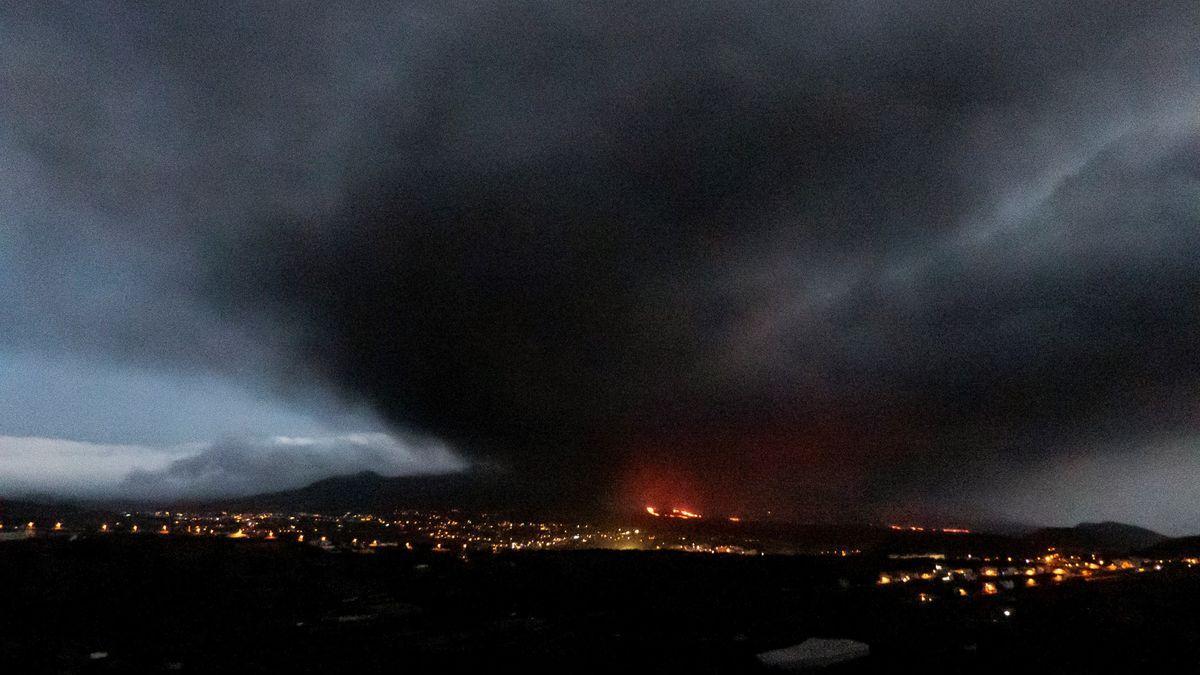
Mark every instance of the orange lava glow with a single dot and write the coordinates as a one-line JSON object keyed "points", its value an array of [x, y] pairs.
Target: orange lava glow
{"points": [[673, 513], [919, 528]]}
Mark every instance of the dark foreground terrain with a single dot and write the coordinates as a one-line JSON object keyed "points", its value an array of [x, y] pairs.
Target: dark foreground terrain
{"points": [[176, 604]]}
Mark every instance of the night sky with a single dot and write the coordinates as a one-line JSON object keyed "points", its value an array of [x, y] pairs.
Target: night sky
{"points": [[837, 260]]}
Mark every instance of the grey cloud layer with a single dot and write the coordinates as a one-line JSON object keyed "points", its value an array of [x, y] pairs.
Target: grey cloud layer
{"points": [[248, 466], [230, 467], [576, 237]]}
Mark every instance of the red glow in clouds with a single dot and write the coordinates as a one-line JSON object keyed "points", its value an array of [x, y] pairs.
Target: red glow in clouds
{"points": [[661, 490], [812, 471]]}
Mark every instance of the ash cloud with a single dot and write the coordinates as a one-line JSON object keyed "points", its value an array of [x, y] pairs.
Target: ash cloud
{"points": [[824, 258]]}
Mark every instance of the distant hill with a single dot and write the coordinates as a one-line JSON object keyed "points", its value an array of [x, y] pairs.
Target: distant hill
{"points": [[1092, 537], [504, 493], [500, 492], [1174, 548], [366, 491], [14, 511]]}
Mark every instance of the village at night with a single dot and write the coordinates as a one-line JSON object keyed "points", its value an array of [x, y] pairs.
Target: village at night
{"points": [[665, 589]]}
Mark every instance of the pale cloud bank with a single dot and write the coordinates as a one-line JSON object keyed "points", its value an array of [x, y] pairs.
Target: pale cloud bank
{"points": [[229, 467]]}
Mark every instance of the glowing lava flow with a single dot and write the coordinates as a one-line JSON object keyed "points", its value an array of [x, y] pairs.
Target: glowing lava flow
{"points": [[675, 513], [918, 528]]}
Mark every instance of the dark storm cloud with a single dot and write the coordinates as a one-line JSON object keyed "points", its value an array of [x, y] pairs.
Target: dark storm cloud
{"points": [[821, 256]]}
